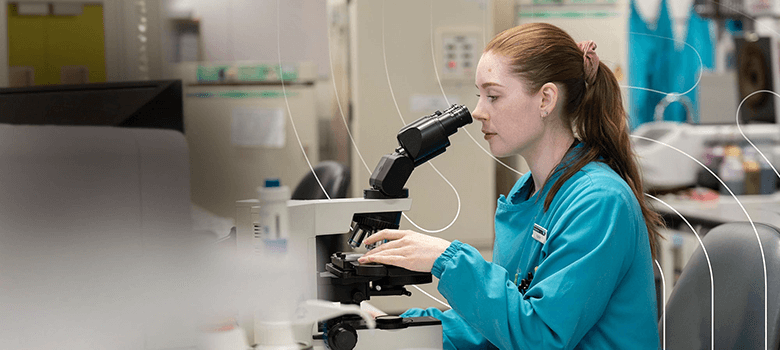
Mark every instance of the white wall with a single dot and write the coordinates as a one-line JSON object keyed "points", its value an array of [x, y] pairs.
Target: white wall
{"points": [[238, 30], [247, 30]]}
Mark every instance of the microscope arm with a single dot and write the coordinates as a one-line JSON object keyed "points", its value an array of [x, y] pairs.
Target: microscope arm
{"points": [[392, 172]]}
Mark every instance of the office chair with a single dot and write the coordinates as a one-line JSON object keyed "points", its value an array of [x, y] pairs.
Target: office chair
{"points": [[738, 276], [334, 177]]}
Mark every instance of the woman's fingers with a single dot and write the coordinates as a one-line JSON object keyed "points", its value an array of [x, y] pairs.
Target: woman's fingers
{"points": [[385, 234], [407, 249], [384, 259], [396, 247], [385, 246]]}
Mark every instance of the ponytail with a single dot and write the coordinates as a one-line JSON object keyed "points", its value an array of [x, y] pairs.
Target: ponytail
{"points": [[601, 124]]}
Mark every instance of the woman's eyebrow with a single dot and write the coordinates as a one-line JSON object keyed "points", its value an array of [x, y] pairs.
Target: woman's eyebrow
{"points": [[488, 84]]}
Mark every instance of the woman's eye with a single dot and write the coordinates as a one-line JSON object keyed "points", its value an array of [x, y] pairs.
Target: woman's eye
{"points": [[491, 98]]}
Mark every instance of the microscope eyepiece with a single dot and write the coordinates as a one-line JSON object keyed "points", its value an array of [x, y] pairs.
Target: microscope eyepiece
{"points": [[427, 137], [455, 117]]}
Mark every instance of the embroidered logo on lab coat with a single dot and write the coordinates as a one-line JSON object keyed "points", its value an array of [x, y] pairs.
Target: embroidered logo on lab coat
{"points": [[540, 234]]}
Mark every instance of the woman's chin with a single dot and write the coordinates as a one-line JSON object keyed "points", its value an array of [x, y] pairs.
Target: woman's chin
{"points": [[498, 153]]}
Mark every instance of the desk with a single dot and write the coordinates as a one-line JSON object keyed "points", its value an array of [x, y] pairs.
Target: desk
{"points": [[761, 208]]}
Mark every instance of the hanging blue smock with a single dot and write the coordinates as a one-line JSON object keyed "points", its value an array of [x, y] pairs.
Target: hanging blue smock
{"points": [[592, 285], [689, 68], [640, 55], [663, 64], [655, 63]]}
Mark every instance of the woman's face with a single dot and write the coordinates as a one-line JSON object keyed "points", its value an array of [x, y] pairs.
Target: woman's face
{"points": [[511, 118]]}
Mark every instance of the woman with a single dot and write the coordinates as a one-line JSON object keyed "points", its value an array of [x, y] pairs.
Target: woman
{"points": [[572, 259]]}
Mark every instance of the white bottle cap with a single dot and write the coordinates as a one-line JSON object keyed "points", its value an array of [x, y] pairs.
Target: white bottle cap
{"points": [[273, 191]]}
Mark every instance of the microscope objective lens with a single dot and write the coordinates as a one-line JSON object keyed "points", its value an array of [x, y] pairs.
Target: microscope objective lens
{"points": [[358, 235]]}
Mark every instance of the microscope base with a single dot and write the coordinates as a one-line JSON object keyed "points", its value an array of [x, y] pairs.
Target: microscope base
{"points": [[423, 336]]}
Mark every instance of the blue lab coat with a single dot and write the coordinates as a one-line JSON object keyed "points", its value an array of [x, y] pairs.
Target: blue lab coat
{"points": [[594, 285]]}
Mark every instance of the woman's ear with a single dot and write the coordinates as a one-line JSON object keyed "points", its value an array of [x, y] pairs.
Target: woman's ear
{"points": [[550, 95]]}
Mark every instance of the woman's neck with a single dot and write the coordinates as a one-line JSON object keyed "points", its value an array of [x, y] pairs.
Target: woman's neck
{"points": [[546, 156]]}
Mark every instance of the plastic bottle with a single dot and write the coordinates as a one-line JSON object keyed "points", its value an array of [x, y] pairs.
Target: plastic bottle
{"points": [[752, 171], [717, 154], [273, 219], [731, 172]]}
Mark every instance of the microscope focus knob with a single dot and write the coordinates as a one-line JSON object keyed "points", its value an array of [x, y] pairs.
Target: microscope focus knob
{"points": [[390, 322], [358, 297], [342, 337]]}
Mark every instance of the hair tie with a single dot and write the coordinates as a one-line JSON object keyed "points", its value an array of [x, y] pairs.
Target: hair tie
{"points": [[591, 60]]}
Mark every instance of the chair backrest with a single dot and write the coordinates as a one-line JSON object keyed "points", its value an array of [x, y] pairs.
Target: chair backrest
{"points": [[738, 285], [334, 177]]}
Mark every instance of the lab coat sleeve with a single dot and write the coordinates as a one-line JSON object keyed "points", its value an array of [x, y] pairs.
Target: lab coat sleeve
{"points": [[587, 252], [457, 333]]}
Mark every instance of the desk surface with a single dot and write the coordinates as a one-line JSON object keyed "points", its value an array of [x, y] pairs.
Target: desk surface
{"points": [[760, 208]]}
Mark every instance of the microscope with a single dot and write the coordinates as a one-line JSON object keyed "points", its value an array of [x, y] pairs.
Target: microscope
{"points": [[319, 234]]}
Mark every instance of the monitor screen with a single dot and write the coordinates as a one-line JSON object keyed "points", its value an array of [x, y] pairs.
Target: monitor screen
{"points": [[141, 104]]}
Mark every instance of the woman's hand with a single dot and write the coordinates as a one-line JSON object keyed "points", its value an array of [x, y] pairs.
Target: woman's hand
{"points": [[408, 249]]}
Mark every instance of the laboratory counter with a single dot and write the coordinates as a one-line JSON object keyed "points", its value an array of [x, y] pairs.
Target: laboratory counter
{"points": [[710, 213]]}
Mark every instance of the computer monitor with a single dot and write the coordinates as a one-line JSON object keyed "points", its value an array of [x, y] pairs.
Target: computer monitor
{"points": [[140, 104]]}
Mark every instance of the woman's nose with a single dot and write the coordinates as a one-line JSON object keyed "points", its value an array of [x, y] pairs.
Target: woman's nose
{"points": [[478, 113]]}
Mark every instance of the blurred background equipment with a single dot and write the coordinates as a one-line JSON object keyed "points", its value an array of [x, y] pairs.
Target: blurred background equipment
{"points": [[758, 68], [140, 104], [95, 234], [239, 127]]}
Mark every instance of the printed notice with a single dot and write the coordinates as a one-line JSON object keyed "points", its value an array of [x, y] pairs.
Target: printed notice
{"points": [[258, 127], [419, 103]]}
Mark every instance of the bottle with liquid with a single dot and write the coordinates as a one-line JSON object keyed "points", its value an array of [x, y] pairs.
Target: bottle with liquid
{"points": [[712, 157], [273, 221], [731, 171], [752, 171]]}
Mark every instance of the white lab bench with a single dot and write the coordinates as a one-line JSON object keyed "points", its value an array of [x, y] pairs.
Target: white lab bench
{"points": [[759, 208]]}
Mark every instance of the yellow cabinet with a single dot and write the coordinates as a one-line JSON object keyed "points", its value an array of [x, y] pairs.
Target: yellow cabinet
{"points": [[57, 48]]}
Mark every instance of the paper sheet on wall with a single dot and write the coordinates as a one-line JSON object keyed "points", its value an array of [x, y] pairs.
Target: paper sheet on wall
{"points": [[263, 127], [420, 103]]}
